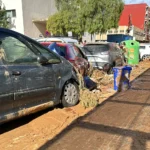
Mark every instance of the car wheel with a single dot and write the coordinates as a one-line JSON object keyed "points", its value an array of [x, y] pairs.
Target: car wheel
{"points": [[144, 58], [110, 71], [70, 95], [108, 68]]}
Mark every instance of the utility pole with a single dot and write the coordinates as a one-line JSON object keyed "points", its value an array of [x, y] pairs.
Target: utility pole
{"points": [[129, 24]]}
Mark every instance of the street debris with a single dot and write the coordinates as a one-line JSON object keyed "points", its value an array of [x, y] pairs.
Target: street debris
{"points": [[88, 98], [89, 95], [33, 132]]}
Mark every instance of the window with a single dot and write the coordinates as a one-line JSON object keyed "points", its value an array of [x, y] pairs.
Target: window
{"points": [[11, 13], [110, 31], [71, 53], [95, 49], [61, 50], [142, 47], [39, 49], [15, 51], [116, 31], [121, 31], [77, 51]]}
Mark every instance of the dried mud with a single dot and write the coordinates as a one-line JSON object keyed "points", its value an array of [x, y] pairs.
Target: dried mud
{"points": [[31, 133]]}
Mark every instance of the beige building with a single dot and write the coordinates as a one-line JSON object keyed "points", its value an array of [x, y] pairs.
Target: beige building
{"points": [[138, 34], [29, 16]]}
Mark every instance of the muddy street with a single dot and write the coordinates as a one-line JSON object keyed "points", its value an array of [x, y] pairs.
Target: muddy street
{"points": [[119, 123]]}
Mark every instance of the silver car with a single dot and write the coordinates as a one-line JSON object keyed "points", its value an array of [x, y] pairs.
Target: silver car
{"points": [[104, 55]]}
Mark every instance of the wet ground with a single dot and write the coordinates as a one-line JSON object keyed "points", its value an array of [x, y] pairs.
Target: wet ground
{"points": [[119, 122], [122, 122]]}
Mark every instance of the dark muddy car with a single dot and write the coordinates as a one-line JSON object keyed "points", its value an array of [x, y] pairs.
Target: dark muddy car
{"points": [[104, 55], [32, 78]]}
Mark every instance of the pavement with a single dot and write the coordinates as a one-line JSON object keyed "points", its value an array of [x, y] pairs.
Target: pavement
{"points": [[122, 122]]}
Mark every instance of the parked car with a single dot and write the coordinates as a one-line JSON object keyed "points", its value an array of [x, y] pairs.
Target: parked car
{"points": [[72, 53], [59, 40], [144, 51], [32, 77], [104, 55]]}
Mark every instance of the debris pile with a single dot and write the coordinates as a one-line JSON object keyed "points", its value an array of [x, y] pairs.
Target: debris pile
{"points": [[90, 98], [102, 78]]}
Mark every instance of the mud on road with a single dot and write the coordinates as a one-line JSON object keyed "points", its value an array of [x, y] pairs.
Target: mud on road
{"points": [[34, 131]]}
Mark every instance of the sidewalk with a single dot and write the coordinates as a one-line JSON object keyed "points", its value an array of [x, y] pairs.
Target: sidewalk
{"points": [[120, 123]]}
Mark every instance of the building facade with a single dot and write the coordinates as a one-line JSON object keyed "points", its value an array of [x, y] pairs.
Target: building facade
{"points": [[136, 33], [135, 17], [29, 16], [139, 17], [15, 14]]}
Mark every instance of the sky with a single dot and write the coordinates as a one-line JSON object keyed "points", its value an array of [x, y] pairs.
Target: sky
{"points": [[137, 1]]}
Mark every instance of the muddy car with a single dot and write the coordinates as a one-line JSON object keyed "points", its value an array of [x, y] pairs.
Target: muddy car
{"points": [[104, 55], [32, 78], [72, 53]]}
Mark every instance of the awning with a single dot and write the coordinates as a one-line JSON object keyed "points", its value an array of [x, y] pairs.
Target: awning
{"points": [[42, 21]]}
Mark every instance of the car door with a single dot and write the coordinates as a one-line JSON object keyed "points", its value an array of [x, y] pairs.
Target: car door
{"points": [[6, 89], [33, 82]]}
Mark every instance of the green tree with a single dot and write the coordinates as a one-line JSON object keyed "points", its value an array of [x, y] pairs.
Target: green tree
{"points": [[3, 17], [103, 15], [78, 16]]}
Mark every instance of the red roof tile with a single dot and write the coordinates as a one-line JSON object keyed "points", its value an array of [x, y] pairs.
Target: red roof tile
{"points": [[137, 12]]}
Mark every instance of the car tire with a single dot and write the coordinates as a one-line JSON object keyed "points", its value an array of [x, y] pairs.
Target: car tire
{"points": [[70, 95], [110, 71], [144, 58], [108, 68]]}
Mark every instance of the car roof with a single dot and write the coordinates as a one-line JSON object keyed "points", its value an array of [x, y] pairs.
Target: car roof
{"points": [[144, 44], [97, 43], [11, 31], [62, 44], [15, 33], [49, 40], [58, 39]]}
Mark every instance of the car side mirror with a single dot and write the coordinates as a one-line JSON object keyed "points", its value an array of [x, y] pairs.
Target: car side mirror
{"points": [[42, 60]]}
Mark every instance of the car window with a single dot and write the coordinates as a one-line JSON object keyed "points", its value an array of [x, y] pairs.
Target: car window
{"points": [[15, 51], [95, 48], [71, 53], [59, 49], [115, 48], [62, 51], [51, 57], [77, 51]]}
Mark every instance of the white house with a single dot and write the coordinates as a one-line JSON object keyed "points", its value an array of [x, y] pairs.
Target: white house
{"points": [[29, 16]]}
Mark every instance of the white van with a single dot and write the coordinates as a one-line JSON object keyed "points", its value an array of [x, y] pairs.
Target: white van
{"points": [[144, 51], [59, 39]]}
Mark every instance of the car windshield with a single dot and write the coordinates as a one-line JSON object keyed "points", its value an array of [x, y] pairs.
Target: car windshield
{"points": [[71, 54], [61, 50], [95, 48], [45, 52]]}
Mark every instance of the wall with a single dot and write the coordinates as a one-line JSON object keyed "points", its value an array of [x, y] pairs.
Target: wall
{"points": [[119, 30], [35, 14], [17, 22], [88, 37], [137, 33]]}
